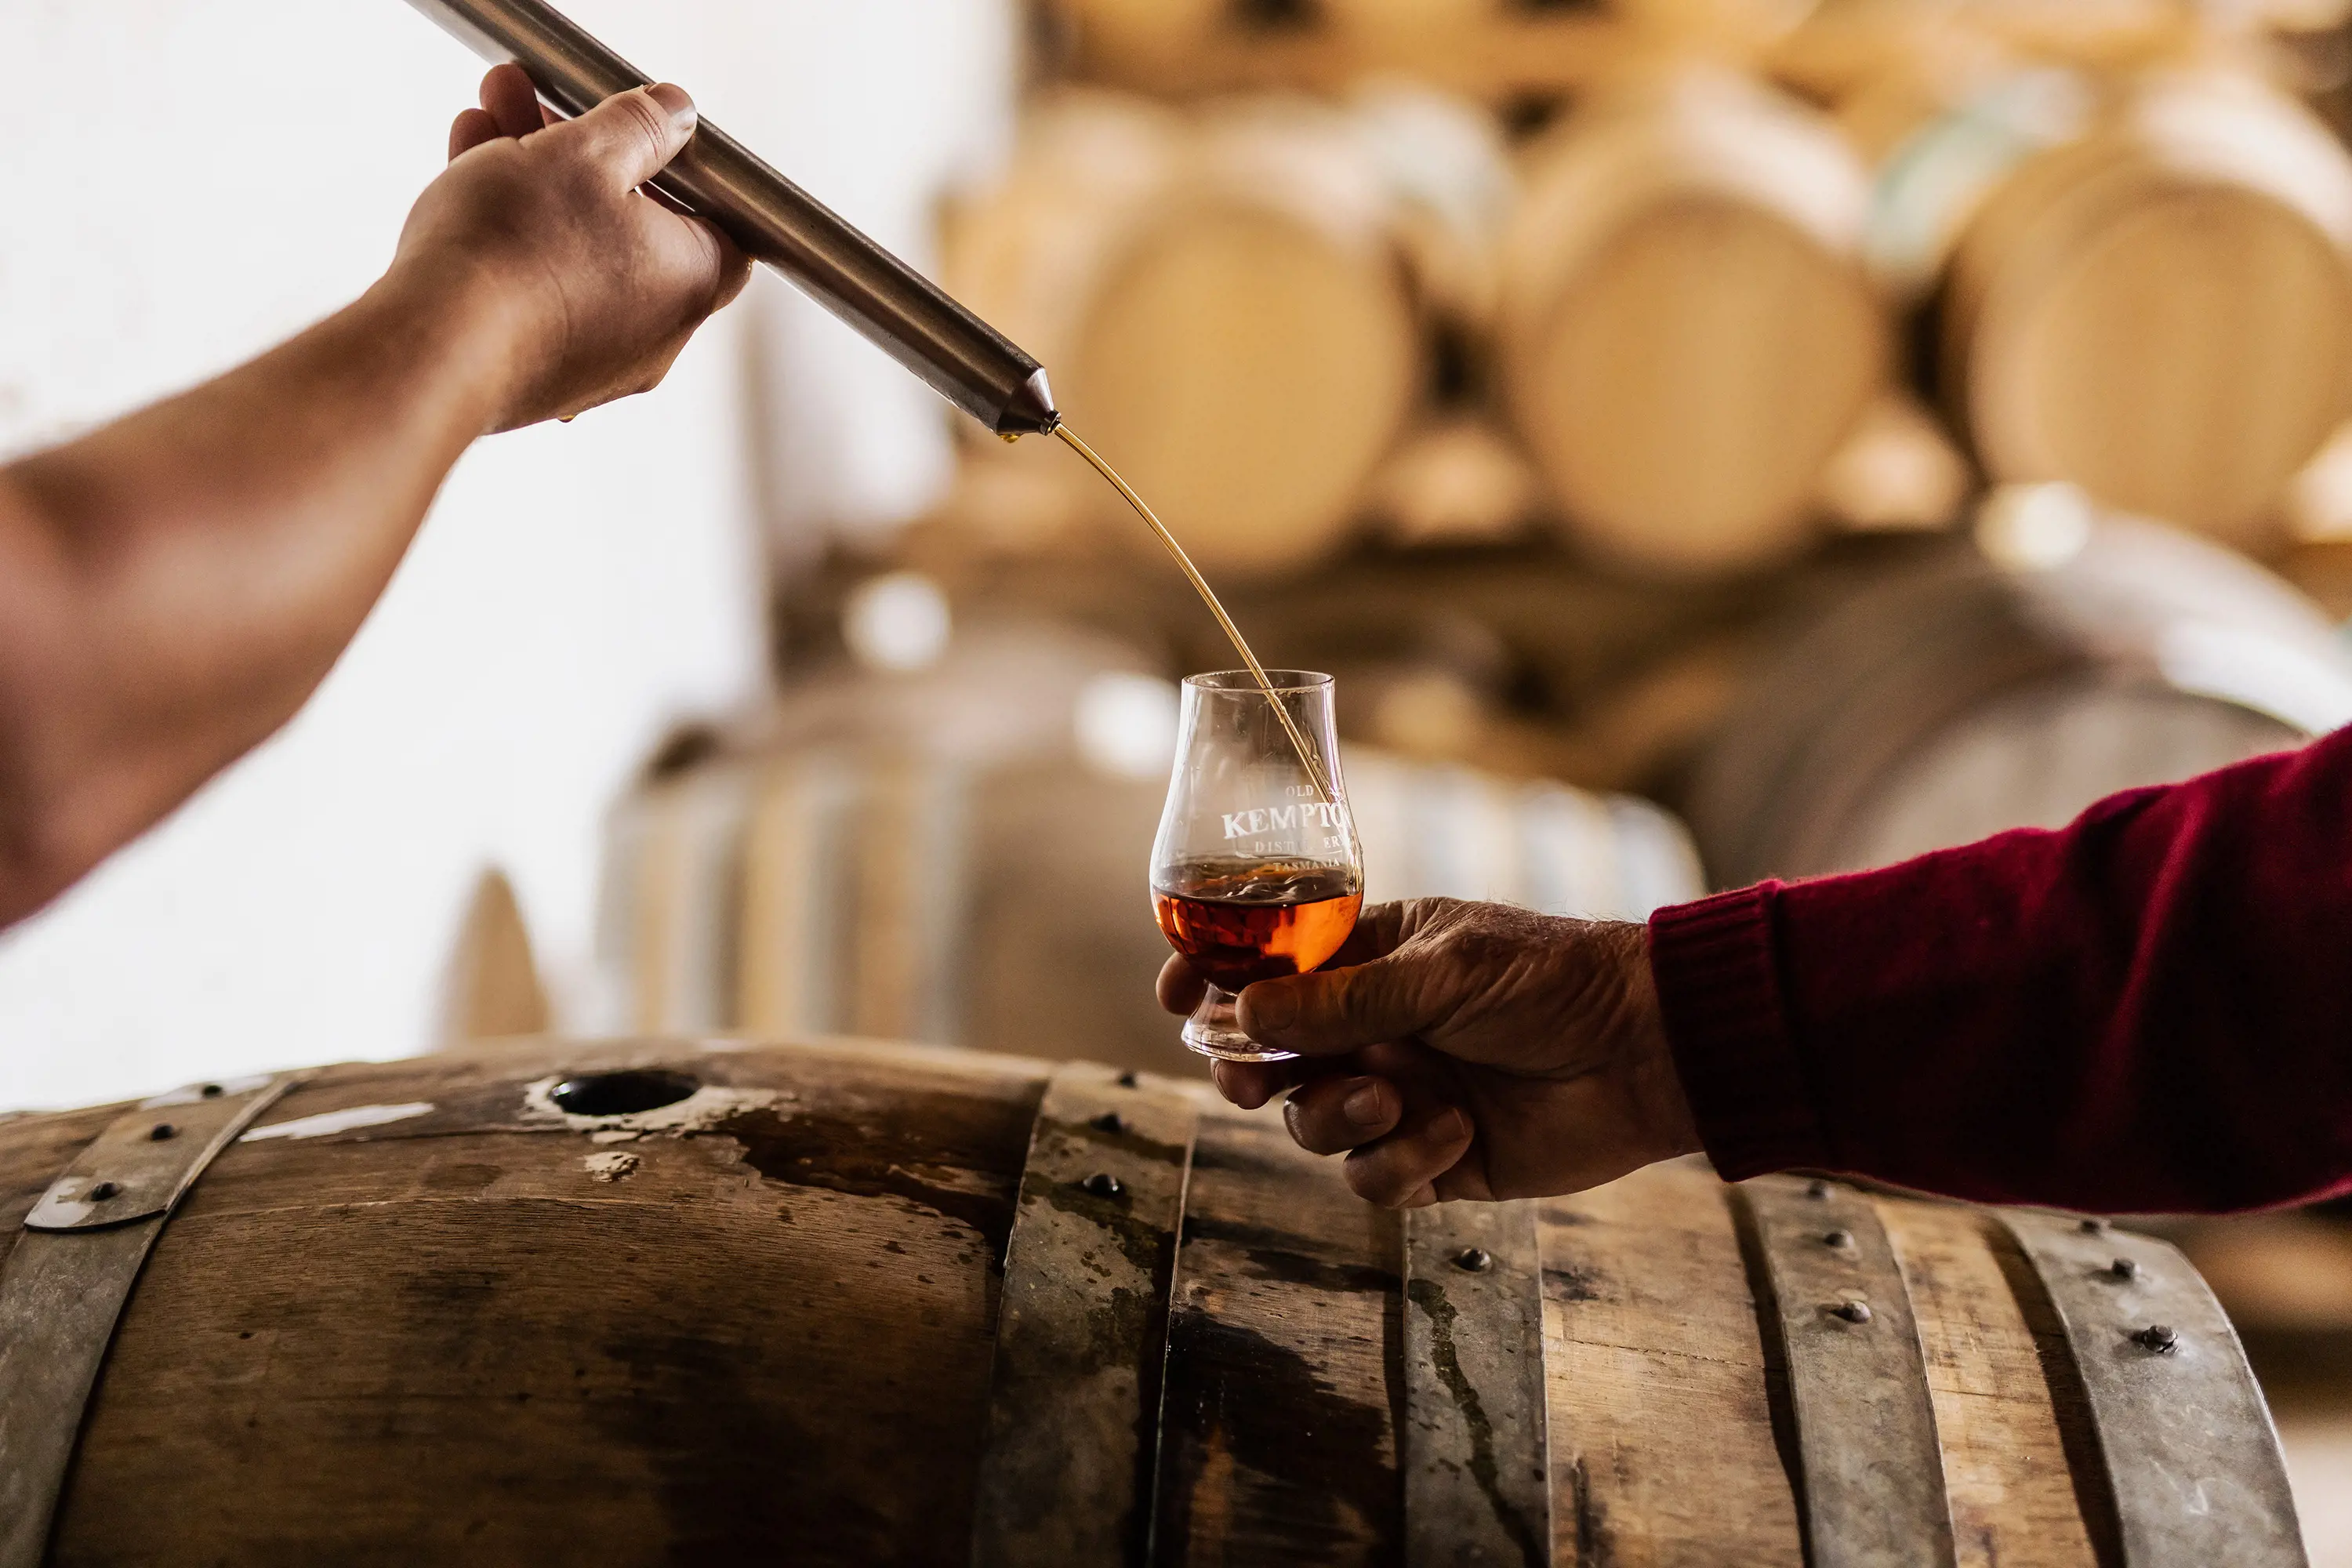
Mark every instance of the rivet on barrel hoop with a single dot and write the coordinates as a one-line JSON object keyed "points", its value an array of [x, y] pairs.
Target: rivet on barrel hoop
{"points": [[1817, 1189], [211, 1092], [103, 1191], [2157, 1338], [1474, 1260], [2092, 1226], [2123, 1269], [1110, 1122], [1841, 1239], [1103, 1185], [1852, 1311], [161, 1131]]}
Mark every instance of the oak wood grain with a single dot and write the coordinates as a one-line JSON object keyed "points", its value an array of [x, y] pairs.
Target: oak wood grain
{"points": [[1662, 1446], [2006, 1470], [1279, 1424]]}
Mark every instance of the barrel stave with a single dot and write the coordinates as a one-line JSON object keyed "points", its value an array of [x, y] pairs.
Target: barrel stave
{"points": [[2014, 1497], [1282, 1406], [1663, 1447]]}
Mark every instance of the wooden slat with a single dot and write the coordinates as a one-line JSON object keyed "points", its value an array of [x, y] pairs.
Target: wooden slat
{"points": [[1663, 1450], [1279, 1438], [2005, 1465]]}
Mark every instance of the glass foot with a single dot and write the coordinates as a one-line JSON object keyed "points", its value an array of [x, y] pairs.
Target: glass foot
{"points": [[1213, 1030]]}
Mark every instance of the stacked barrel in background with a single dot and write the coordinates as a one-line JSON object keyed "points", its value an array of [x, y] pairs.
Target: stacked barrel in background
{"points": [[959, 853]]}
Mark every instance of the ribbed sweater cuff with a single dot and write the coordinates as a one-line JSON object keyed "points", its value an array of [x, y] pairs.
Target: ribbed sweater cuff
{"points": [[1719, 992]]}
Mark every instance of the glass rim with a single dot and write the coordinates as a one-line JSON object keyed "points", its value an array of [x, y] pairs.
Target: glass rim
{"points": [[1228, 683]]}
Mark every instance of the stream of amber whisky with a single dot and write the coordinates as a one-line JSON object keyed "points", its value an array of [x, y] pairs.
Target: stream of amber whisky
{"points": [[1208, 597]]}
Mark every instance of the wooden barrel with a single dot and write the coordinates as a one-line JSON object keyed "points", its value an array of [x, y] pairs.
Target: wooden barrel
{"points": [[1686, 336], [1223, 299], [2160, 311], [2080, 656], [857, 1304], [1496, 50], [1001, 903]]}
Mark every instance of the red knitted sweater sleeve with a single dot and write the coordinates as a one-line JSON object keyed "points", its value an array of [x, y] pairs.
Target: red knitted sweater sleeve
{"points": [[2148, 1010]]}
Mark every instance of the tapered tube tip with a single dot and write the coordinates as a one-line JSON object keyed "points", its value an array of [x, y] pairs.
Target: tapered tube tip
{"points": [[1030, 410]]}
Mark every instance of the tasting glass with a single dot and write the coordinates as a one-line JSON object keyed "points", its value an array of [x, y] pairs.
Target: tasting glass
{"points": [[1256, 872]]}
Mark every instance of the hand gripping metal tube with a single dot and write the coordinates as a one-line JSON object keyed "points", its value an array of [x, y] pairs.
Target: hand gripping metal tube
{"points": [[963, 359]]}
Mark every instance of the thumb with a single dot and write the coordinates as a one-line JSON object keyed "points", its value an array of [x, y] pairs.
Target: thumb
{"points": [[1330, 1012], [633, 135]]}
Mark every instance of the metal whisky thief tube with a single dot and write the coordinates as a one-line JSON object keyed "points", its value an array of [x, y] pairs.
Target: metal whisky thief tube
{"points": [[911, 319]]}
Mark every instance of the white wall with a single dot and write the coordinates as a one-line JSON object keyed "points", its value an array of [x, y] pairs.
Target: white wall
{"points": [[190, 179]]}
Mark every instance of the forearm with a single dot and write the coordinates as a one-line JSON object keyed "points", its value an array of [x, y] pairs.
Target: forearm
{"points": [[174, 585], [2147, 1010]]}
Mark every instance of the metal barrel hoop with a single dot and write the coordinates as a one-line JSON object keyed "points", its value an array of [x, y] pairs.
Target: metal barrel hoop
{"points": [[1475, 1444], [1081, 1337], [1866, 1421], [71, 1274], [2171, 1398]]}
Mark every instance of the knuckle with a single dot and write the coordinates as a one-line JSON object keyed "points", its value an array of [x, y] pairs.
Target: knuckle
{"points": [[1306, 1127], [1376, 1176], [1365, 1183], [647, 121]]}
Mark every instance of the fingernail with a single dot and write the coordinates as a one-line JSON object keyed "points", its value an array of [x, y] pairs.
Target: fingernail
{"points": [[1362, 1106], [676, 100], [1272, 1008], [1450, 1128]]}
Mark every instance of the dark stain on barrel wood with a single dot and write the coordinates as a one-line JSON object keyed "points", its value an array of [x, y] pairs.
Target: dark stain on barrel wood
{"points": [[1591, 1545], [689, 1403], [1430, 1298], [1270, 1253], [1281, 1410], [1236, 1401], [914, 1158], [1568, 1284]]}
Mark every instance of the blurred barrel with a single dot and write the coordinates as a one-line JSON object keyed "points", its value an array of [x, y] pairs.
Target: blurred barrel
{"points": [[2160, 310], [853, 1304], [1686, 336], [1492, 49], [863, 886], [2079, 656], [1224, 301], [1511, 54]]}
